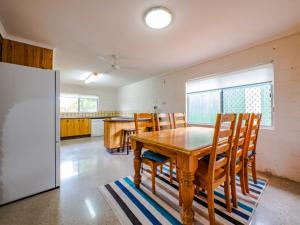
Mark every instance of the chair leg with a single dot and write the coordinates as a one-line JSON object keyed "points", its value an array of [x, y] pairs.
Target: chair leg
{"points": [[161, 168], [171, 172], [153, 169], [197, 190], [233, 189], [177, 177], [128, 143], [142, 167], [253, 167], [242, 181], [227, 194], [124, 141], [246, 177], [211, 206]]}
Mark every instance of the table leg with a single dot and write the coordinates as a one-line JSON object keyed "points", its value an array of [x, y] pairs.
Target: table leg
{"points": [[179, 179], [137, 149], [187, 166]]}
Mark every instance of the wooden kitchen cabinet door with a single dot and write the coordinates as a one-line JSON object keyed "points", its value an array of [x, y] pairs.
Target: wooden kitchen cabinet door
{"points": [[71, 127], [63, 128], [81, 127], [86, 126], [77, 125]]}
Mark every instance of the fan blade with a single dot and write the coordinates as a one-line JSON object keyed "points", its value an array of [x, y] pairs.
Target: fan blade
{"points": [[104, 59], [128, 68], [109, 70]]}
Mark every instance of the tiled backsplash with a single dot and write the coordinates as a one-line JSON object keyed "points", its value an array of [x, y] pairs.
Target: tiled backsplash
{"points": [[97, 114]]}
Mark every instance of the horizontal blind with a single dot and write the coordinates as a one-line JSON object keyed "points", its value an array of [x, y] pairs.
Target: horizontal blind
{"points": [[258, 74]]}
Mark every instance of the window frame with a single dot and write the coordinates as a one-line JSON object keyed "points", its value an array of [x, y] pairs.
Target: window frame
{"points": [[221, 102]]}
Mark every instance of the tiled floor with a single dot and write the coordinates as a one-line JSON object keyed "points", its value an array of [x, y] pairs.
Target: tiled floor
{"points": [[85, 164]]}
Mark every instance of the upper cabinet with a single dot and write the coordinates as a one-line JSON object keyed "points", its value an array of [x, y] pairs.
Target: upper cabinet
{"points": [[26, 55]]}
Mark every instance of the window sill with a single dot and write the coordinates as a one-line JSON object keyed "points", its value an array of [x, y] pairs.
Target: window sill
{"points": [[212, 126], [201, 125]]}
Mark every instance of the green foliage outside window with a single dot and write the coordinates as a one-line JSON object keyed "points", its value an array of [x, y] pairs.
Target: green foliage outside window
{"points": [[78, 104]]}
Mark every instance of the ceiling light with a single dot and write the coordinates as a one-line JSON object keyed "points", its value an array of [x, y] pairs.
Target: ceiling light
{"points": [[91, 78], [158, 17]]}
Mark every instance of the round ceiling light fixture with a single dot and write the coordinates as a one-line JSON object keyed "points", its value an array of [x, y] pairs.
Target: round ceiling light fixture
{"points": [[158, 17]]}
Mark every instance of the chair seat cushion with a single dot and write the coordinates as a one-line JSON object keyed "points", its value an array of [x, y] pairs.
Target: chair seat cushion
{"points": [[153, 156], [250, 155]]}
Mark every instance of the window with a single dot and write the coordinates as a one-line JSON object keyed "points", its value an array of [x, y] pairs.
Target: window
{"points": [[210, 104], [68, 104], [246, 96], [88, 105], [79, 104]]}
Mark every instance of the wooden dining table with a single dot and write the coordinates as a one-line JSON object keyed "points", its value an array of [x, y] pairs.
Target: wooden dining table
{"points": [[186, 145]]}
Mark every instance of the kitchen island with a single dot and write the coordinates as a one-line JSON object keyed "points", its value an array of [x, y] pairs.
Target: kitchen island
{"points": [[113, 131]]}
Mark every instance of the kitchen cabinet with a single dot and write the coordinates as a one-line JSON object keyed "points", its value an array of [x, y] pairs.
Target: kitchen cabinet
{"points": [[63, 128], [85, 126], [26, 55], [113, 132], [75, 127]]}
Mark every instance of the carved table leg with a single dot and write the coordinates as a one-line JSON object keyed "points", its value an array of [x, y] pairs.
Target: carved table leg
{"points": [[137, 149], [187, 167]]}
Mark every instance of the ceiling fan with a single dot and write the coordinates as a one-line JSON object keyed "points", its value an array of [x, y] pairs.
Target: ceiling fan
{"points": [[114, 65]]}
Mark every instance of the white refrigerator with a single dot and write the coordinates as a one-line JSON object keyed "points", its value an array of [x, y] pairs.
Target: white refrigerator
{"points": [[29, 131]]}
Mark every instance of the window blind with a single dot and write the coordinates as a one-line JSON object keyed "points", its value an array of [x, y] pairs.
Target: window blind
{"points": [[258, 74]]}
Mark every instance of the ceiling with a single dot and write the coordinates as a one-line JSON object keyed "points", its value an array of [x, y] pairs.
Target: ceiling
{"points": [[80, 31]]}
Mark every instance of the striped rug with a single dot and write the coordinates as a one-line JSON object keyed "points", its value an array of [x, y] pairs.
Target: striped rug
{"points": [[140, 206]]}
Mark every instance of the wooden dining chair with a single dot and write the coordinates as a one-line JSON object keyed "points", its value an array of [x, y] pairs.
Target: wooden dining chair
{"points": [[179, 120], [216, 172], [249, 153], [145, 122], [163, 121], [237, 155]]}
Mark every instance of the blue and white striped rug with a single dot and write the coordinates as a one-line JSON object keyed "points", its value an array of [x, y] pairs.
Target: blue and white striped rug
{"points": [[140, 206]]}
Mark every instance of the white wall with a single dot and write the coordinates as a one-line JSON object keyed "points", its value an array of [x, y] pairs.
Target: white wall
{"points": [[108, 98], [278, 149], [20, 39]]}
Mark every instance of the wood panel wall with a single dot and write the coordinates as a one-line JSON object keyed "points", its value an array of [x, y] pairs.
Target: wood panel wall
{"points": [[26, 55]]}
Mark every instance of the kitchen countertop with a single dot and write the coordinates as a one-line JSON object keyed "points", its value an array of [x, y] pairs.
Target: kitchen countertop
{"points": [[119, 119], [85, 117], [106, 118]]}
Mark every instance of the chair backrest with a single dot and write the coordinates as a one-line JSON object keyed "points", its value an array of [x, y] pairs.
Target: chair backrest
{"points": [[239, 140], [179, 120], [163, 121], [252, 134], [222, 145], [144, 122]]}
